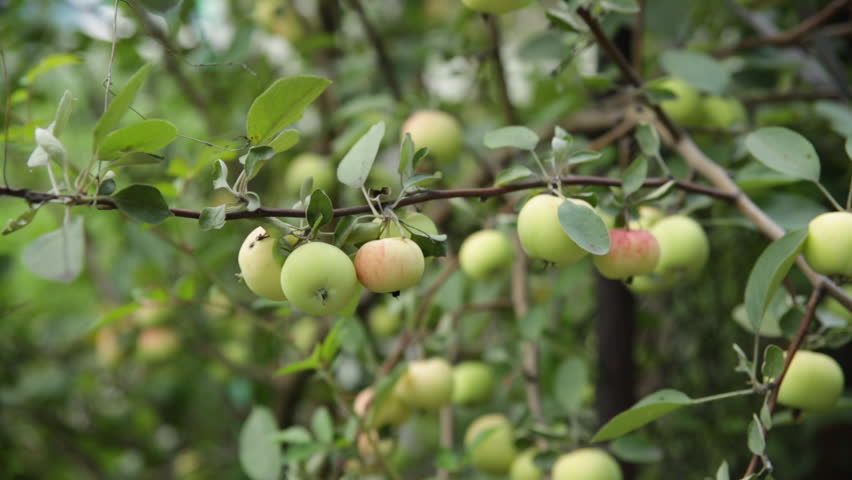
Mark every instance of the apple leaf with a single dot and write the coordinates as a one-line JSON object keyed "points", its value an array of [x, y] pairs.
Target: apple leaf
{"points": [[697, 69], [571, 377], [47, 64], [146, 136], [422, 179], [756, 440], [773, 361], [260, 455], [119, 105], [723, 473], [648, 139], [848, 147], [284, 140], [634, 176], [620, 6], [515, 136], [220, 175], [212, 218], [320, 211], [21, 221], [583, 156], [142, 202], [430, 246], [281, 104], [635, 448], [645, 411], [509, 175], [355, 166], [322, 426], [771, 267], [309, 363], [784, 151], [585, 227], [406, 156], [256, 158], [57, 255], [837, 114]]}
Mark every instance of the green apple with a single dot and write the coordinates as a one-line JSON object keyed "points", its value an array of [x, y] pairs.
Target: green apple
{"points": [[687, 106], [383, 321], [280, 18], [541, 233], [648, 217], [156, 343], [426, 384], [392, 411], [828, 248], [523, 468], [490, 443], [722, 112], [259, 266], [814, 381], [586, 464], [439, 131], [837, 308], [304, 333], [684, 250], [631, 253], [389, 264], [495, 6], [319, 279], [486, 252], [306, 165], [473, 382]]}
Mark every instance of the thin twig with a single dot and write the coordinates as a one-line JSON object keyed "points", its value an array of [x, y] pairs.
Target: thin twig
{"points": [[6, 114], [509, 110], [385, 63], [789, 97]]}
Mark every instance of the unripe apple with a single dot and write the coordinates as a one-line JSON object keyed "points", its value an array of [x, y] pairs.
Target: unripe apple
{"points": [[541, 233], [814, 381], [156, 343], [389, 264], [473, 382], [319, 279], [837, 308], [523, 468], [684, 250], [828, 248], [384, 322], [392, 411], [648, 217], [686, 107], [485, 253], [439, 131], [278, 18], [586, 464], [495, 6], [260, 268], [306, 165], [427, 384], [304, 333], [631, 253], [495, 451], [722, 112]]}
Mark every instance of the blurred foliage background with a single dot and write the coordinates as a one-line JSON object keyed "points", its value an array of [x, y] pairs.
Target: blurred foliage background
{"points": [[161, 390]]}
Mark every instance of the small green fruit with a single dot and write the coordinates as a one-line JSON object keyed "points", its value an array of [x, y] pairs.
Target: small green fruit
{"points": [[495, 6], [814, 381], [489, 440], [392, 411], [686, 107], [586, 464], [473, 382], [319, 279], [684, 250], [304, 333], [837, 308], [259, 266], [427, 384], [523, 468], [541, 233], [389, 264], [485, 253], [439, 131], [306, 165], [384, 322], [631, 253], [722, 112], [828, 248]]}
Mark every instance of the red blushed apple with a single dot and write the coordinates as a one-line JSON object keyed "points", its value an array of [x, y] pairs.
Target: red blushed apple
{"points": [[631, 253], [389, 264]]}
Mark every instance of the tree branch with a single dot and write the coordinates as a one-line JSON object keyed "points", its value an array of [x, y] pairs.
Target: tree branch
{"points": [[385, 63], [509, 110]]}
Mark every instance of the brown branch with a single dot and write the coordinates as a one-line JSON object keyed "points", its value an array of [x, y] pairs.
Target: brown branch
{"points": [[106, 203], [636, 38], [626, 70], [385, 63], [509, 110], [789, 97], [786, 37], [795, 344]]}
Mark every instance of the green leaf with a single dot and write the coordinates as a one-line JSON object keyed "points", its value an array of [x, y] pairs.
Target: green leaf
{"points": [[406, 156], [355, 166], [280, 105], [255, 159], [345, 226], [47, 64], [620, 6], [305, 189], [636, 448], [848, 147], [320, 211], [723, 473], [119, 105], [509, 175], [560, 145], [142, 202], [837, 114], [57, 255], [659, 192], [430, 246], [212, 218], [756, 440], [645, 411], [634, 176], [220, 175], [765, 415], [649, 139], [51, 145], [449, 460], [420, 154], [773, 361], [583, 156], [571, 378], [768, 272], [784, 151], [770, 326], [585, 227], [285, 140], [146, 136], [21, 221], [136, 158], [422, 179], [294, 434], [515, 136], [309, 363], [322, 425], [63, 113], [116, 313], [533, 324], [567, 20], [330, 345], [260, 456], [697, 69]]}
